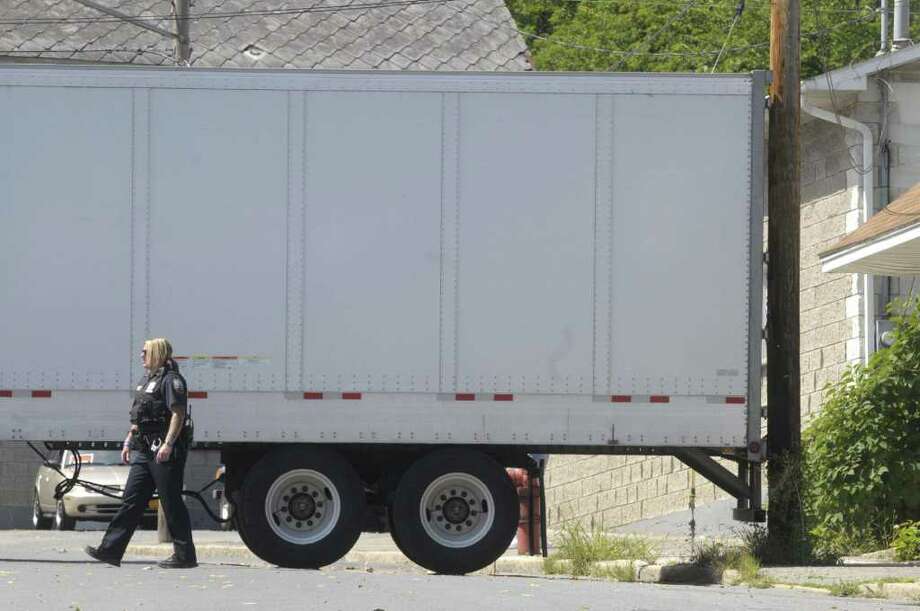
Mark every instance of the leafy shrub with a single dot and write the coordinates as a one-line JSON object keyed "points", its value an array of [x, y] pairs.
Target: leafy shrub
{"points": [[862, 452], [906, 541]]}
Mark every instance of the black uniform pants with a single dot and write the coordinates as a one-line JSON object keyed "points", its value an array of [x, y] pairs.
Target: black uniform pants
{"points": [[146, 475]]}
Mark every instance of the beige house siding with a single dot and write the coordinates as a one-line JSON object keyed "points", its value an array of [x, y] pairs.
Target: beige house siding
{"points": [[830, 304]]}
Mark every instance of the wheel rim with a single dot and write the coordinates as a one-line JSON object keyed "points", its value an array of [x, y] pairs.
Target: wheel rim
{"points": [[457, 510], [302, 506]]}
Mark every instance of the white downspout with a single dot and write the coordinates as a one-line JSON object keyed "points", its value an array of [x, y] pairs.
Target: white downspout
{"points": [[867, 174]]}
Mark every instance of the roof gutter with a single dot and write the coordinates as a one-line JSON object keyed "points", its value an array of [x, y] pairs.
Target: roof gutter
{"points": [[867, 179]]}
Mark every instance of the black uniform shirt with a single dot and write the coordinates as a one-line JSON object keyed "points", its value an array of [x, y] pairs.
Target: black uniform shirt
{"points": [[174, 390]]}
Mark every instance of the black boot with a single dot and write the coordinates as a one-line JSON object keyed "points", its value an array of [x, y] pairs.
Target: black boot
{"points": [[96, 554], [174, 563]]}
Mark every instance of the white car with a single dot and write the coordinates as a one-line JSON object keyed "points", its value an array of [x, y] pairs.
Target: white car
{"points": [[98, 466]]}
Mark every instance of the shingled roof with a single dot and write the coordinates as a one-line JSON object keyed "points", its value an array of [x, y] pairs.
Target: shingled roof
{"points": [[320, 34]]}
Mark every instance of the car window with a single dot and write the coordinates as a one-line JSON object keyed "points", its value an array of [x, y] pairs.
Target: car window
{"points": [[94, 457]]}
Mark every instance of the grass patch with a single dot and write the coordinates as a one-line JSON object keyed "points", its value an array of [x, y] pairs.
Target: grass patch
{"points": [[579, 550], [720, 558], [617, 573], [552, 565], [844, 588]]}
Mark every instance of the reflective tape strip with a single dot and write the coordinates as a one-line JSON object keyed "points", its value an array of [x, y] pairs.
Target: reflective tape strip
{"points": [[736, 400], [465, 396], [197, 394], [503, 397], [320, 396], [640, 399], [41, 394], [6, 394]]}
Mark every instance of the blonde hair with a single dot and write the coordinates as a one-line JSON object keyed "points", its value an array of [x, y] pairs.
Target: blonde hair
{"points": [[159, 350]]}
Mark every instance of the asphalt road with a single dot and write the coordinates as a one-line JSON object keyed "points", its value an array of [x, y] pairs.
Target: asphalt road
{"points": [[52, 573]]}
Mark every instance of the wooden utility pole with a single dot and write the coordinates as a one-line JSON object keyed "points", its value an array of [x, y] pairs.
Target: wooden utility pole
{"points": [[784, 413]]}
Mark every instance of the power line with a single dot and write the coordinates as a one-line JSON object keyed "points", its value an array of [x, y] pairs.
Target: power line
{"points": [[77, 51], [227, 14], [738, 11], [654, 36], [547, 39], [566, 44]]}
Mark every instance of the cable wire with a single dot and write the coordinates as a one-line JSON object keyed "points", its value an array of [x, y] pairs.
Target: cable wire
{"points": [[654, 36], [226, 14], [738, 11]]}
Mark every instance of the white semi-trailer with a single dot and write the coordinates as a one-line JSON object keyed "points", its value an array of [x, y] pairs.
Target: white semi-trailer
{"points": [[385, 288]]}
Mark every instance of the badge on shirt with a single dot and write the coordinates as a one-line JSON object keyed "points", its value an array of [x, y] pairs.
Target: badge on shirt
{"points": [[178, 386], [151, 386]]}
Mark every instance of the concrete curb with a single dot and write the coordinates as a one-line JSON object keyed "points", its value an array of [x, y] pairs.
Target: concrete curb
{"points": [[664, 571], [903, 591], [892, 591]]}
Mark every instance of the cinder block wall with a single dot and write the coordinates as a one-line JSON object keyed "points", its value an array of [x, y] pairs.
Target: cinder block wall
{"points": [[18, 466], [831, 304], [607, 491]]}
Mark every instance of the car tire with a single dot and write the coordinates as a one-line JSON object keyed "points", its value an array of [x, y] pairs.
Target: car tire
{"points": [[61, 520], [301, 507], [39, 520], [455, 511]]}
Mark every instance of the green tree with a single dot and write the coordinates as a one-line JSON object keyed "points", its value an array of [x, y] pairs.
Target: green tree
{"points": [[687, 35]]}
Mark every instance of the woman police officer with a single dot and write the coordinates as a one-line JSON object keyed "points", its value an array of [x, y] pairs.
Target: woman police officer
{"points": [[157, 454]]}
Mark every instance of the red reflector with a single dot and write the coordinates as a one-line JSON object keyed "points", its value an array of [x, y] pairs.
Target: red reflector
{"points": [[621, 399], [41, 394], [351, 395], [465, 396], [224, 358], [6, 393], [197, 394], [735, 400], [659, 399], [313, 395], [503, 397]]}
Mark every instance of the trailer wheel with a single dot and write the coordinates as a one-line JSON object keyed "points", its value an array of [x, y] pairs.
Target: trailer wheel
{"points": [[301, 507], [455, 511]]}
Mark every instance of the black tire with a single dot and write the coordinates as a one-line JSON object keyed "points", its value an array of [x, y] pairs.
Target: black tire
{"points": [[329, 536], [39, 520], [61, 520], [467, 553]]}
